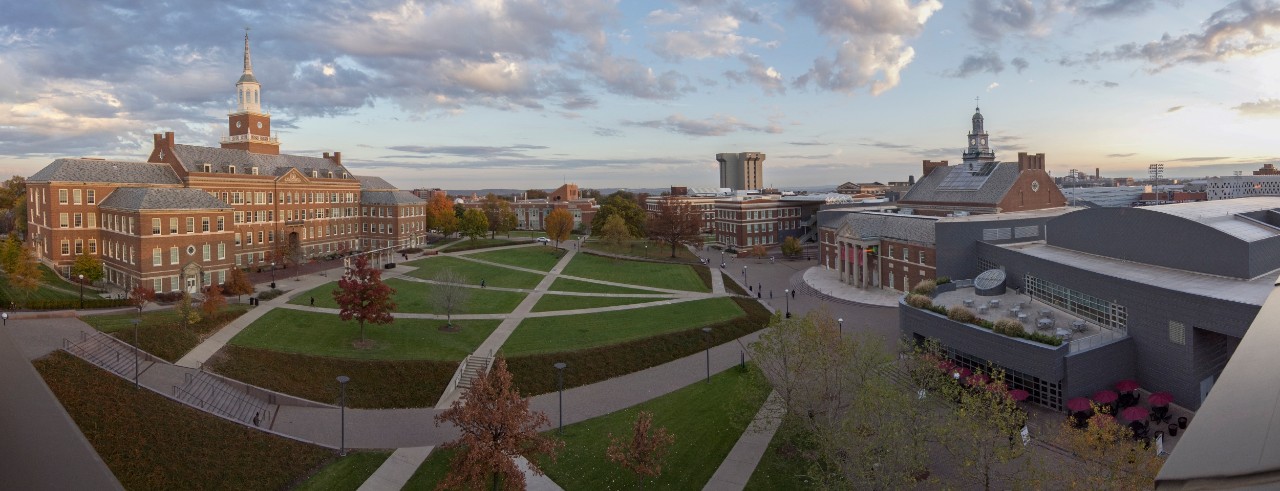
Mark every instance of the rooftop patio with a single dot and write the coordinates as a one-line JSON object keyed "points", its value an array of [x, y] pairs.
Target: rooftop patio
{"points": [[1081, 334]]}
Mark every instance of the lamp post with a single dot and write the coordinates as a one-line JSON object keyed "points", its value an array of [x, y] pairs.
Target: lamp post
{"points": [[342, 408], [841, 321], [787, 293], [81, 292], [707, 331], [273, 274], [560, 387], [135, 350]]}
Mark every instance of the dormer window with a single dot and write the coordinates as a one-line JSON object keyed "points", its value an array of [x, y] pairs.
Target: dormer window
{"points": [[231, 169], [345, 176], [208, 168], [315, 173], [254, 171]]}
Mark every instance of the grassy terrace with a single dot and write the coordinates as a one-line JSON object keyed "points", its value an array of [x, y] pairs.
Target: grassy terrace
{"points": [[346, 473], [568, 285], [574, 332], [412, 296], [550, 303], [468, 244], [496, 276], [150, 442], [541, 258], [637, 248], [657, 275], [159, 333], [319, 334]]}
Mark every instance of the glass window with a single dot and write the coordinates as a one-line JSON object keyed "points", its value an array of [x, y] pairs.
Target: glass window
{"points": [[173, 255], [157, 257], [66, 247], [222, 223], [93, 246], [93, 220], [76, 197], [155, 226], [1177, 333], [79, 247], [204, 224], [191, 225], [62, 196], [205, 250], [173, 225], [92, 198], [222, 250]]}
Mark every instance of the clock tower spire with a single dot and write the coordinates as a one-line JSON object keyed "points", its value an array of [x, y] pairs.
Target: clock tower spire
{"points": [[249, 127], [978, 152]]}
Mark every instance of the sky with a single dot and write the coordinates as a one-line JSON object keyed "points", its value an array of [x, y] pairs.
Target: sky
{"points": [[534, 93]]}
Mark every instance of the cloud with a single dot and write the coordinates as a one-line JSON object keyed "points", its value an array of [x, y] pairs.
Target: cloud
{"points": [[1105, 84], [988, 62], [870, 38], [718, 125], [1261, 108], [1174, 109], [1196, 159], [602, 131], [993, 86], [1113, 8], [990, 20], [1020, 63], [767, 77], [807, 144], [515, 151], [882, 144], [1120, 155], [1240, 29]]}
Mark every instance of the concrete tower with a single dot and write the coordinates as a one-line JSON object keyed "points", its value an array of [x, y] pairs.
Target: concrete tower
{"points": [[741, 171], [248, 127]]}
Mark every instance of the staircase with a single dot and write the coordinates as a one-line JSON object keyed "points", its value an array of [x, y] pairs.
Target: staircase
{"points": [[472, 367], [206, 391], [109, 353]]}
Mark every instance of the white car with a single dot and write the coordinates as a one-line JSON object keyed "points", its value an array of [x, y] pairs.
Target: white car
{"points": [[543, 240]]}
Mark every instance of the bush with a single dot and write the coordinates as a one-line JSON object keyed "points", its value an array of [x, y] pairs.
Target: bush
{"points": [[961, 314], [168, 297], [925, 287], [942, 280], [89, 303], [986, 324], [270, 294], [939, 309], [1044, 338], [1010, 327], [411, 250], [919, 301]]}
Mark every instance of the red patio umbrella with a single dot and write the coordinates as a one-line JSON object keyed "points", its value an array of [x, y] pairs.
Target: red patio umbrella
{"points": [[1127, 385], [1105, 397], [1020, 395], [1079, 404], [1134, 413], [1160, 399]]}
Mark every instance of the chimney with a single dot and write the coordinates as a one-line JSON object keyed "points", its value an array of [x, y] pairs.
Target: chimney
{"points": [[929, 166], [326, 155], [1028, 162], [337, 158], [168, 138]]}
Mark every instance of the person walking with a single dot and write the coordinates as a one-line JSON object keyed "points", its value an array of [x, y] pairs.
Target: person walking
{"points": [[313, 301]]}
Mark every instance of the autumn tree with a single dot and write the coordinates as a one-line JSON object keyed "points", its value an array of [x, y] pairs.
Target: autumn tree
{"points": [[495, 426], [25, 275], [615, 231], [449, 292], [361, 295], [791, 247], [982, 431], [623, 204], [238, 284], [473, 224], [1108, 457], [10, 253], [213, 301], [140, 295], [535, 194], [87, 265], [559, 225], [440, 215], [676, 223], [13, 205], [644, 453], [188, 313], [499, 215], [759, 250]]}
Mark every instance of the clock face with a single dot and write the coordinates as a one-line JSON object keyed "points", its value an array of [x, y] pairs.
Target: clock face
{"points": [[259, 124], [238, 124], [1035, 186]]}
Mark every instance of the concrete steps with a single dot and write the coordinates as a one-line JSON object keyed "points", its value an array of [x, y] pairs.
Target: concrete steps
{"points": [[109, 353], [206, 391], [472, 368]]}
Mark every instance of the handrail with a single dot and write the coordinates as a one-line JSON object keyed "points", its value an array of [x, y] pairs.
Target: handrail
{"points": [[242, 399]]}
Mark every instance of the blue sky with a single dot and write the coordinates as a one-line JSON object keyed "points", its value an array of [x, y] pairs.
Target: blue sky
{"points": [[531, 93]]}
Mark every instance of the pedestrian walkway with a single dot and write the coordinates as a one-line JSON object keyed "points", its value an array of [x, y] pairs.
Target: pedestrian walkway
{"points": [[395, 472], [827, 282], [736, 470]]}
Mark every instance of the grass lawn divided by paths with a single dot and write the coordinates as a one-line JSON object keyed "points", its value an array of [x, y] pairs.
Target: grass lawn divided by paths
{"points": [[574, 332], [467, 244], [150, 442], [661, 252], [541, 258], [551, 303], [321, 334], [568, 285], [346, 473], [657, 275], [779, 471], [705, 419], [411, 296], [495, 276], [160, 333]]}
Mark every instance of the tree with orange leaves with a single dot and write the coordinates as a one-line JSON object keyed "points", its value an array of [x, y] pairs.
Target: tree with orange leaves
{"points": [[644, 453], [497, 426], [361, 295]]}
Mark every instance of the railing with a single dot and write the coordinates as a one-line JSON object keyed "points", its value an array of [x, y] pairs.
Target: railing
{"points": [[214, 396], [250, 138], [1102, 338]]}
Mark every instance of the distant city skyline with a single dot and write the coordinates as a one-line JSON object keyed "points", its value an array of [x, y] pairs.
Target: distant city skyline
{"points": [[529, 94]]}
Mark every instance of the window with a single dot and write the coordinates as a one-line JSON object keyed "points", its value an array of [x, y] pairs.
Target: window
{"points": [[222, 223], [921, 257], [156, 286], [157, 257], [93, 220], [173, 225], [63, 220], [248, 238], [93, 246], [254, 170], [78, 220], [66, 247], [890, 254], [79, 247], [155, 226], [191, 224], [92, 198], [906, 254], [62, 196], [237, 240], [260, 241], [76, 197], [238, 217], [222, 250], [1178, 333], [204, 250], [173, 255], [204, 224]]}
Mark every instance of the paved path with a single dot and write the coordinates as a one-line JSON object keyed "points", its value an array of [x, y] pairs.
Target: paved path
{"points": [[736, 470], [396, 471], [499, 336]]}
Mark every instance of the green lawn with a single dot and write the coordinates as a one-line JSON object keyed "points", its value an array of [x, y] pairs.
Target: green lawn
{"points": [[568, 285], [638, 248], [159, 332], [431, 471], [541, 258], [411, 296], [784, 466], [346, 473], [496, 276], [550, 303], [467, 244], [658, 275], [318, 334], [575, 332]]}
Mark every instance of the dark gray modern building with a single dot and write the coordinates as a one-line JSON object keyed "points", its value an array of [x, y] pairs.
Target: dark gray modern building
{"points": [[1161, 294]]}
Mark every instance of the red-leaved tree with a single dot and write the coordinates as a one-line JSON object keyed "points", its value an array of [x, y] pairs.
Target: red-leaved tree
{"points": [[497, 426], [363, 296], [676, 223], [643, 454]]}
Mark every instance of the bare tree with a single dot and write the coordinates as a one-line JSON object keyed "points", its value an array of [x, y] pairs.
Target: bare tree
{"points": [[449, 293], [676, 223], [644, 452]]}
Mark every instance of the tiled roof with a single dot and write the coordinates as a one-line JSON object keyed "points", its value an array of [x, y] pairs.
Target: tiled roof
{"points": [[162, 199], [995, 186], [869, 225], [194, 157], [368, 183], [118, 171], [389, 198]]}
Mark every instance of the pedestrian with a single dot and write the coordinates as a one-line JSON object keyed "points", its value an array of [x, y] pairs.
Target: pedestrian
{"points": [[313, 301], [770, 294], [257, 419], [481, 283], [793, 294]]}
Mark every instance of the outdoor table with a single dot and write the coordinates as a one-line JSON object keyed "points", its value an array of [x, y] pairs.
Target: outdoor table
{"points": [[1022, 317], [1044, 322], [982, 309], [1078, 325], [995, 303], [1046, 313], [968, 303], [1063, 333], [1015, 308]]}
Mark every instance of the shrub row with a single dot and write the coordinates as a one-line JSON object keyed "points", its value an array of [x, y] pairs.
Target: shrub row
{"points": [[89, 303], [270, 294], [925, 287], [1007, 327]]}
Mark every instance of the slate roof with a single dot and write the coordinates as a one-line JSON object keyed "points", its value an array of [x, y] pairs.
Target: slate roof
{"points": [[389, 198], [368, 183], [991, 191], [870, 225], [118, 171], [194, 157], [162, 199]]}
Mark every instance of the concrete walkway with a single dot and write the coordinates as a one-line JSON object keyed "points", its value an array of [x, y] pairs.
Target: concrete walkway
{"points": [[395, 472], [736, 470], [827, 282]]}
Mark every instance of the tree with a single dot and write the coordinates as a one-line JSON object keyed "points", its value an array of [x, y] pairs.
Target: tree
{"points": [[982, 431], [615, 231], [590, 193], [361, 295], [473, 224], [535, 194], [238, 284], [498, 212], [87, 265], [759, 250], [25, 275], [188, 314], [559, 225], [791, 247], [624, 204], [449, 292], [140, 295], [10, 253], [496, 426], [676, 223], [440, 215], [213, 301], [458, 210], [1109, 456], [644, 453]]}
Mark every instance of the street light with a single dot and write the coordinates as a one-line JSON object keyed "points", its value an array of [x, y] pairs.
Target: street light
{"points": [[342, 445], [787, 293], [707, 331], [136, 321], [841, 321], [273, 274], [744, 273], [81, 292], [560, 387]]}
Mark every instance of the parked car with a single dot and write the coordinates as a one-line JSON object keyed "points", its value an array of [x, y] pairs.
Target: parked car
{"points": [[543, 240]]}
